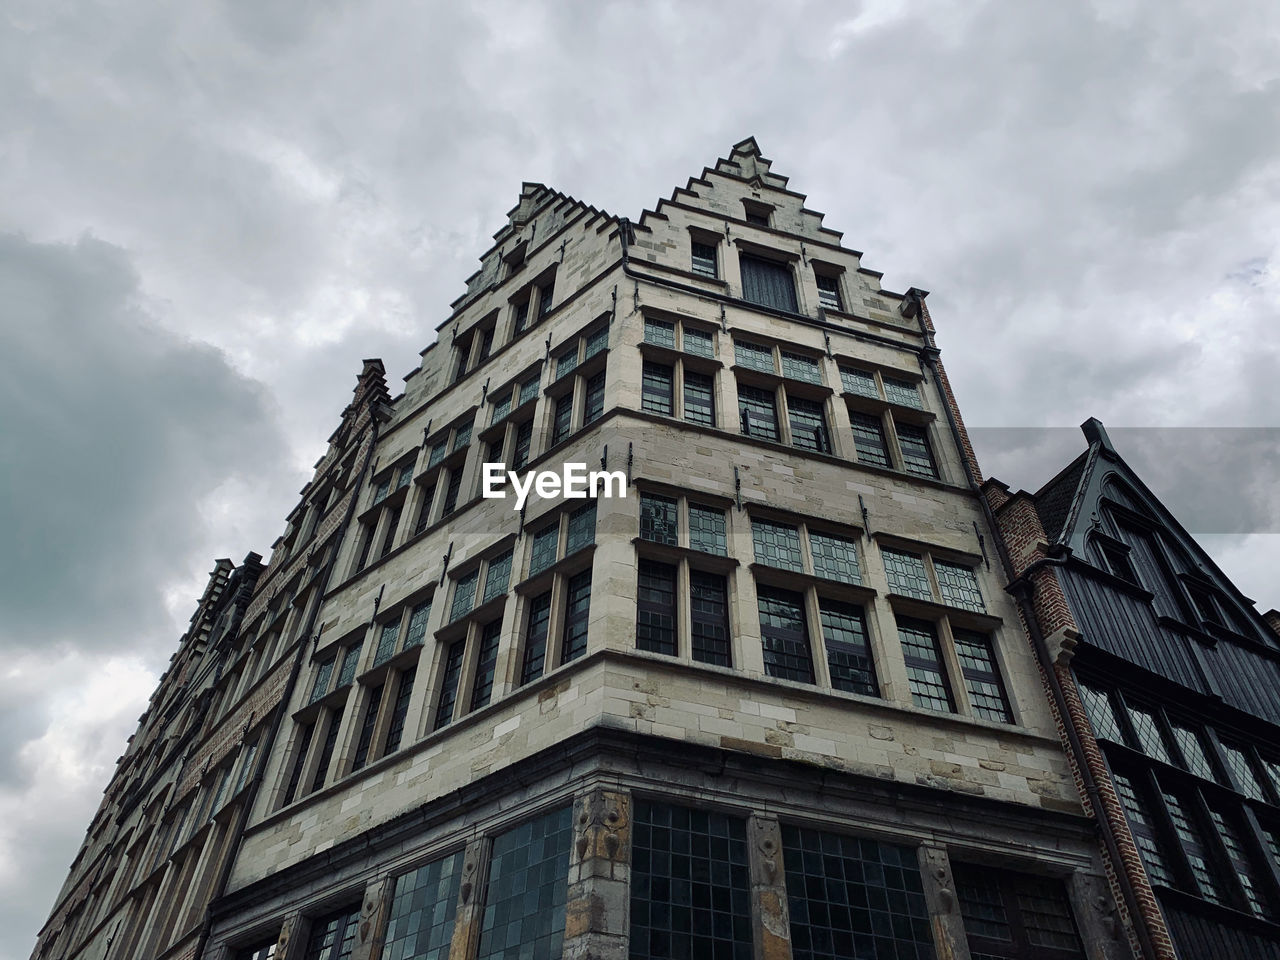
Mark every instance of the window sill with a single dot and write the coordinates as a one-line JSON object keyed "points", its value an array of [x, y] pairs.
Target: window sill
{"points": [[710, 562], [932, 610]]}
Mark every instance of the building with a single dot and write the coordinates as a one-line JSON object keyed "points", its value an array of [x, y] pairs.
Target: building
{"points": [[1169, 681], [772, 701]]}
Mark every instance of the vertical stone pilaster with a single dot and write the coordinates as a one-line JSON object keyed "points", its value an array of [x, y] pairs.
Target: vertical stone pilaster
{"points": [[1097, 917], [372, 932], [770, 917], [293, 938], [944, 908], [598, 912], [466, 925]]}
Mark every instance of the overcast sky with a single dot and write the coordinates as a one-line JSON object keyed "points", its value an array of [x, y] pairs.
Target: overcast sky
{"points": [[210, 212]]}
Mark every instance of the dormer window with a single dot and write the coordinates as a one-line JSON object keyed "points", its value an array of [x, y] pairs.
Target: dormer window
{"points": [[757, 213]]}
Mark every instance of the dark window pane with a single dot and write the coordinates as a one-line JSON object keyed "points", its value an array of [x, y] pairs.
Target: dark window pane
{"points": [[451, 492], [371, 708], [853, 897], [521, 311], [698, 343], [581, 530], [535, 641], [1147, 729], [320, 686], [350, 662], [333, 936], [1015, 915], [545, 544], [529, 390], [868, 439], [487, 663], [808, 424], [1143, 830], [299, 761], [424, 510], [829, 292], [449, 683], [594, 404], [777, 544], [757, 412], [528, 885], [784, 635], [597, 341], [501, 406], [844, 632], [709, 613], [768, 284], [658, 519], [567, 362], [1242, 772], [925, 675], [1102, 715], [1194, 756], [562, 420], [690, 885], [699, 399], [464, 595], [1241, 865], [707, 529], [395, 728], [423, 907], [657, 390], [660, 332], [1193, 846], [917, 458], [959, 586], [835, 558], [577, 609], [861, 382], [704, 259], [981, 675], [326, 750], [799, 367], [546, 294], [417, 625], [656, 608], [386, 642], [524, 438], [906, 574], [901, 391], [498, 577], [755, 356]]}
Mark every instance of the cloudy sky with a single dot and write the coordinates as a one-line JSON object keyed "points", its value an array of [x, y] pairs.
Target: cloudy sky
{"points": [[211, 211]]}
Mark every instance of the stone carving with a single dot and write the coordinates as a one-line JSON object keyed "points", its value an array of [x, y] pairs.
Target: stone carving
{"points": [[602, 819]]}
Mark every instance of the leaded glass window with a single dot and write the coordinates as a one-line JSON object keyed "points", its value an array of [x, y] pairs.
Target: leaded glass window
{"points": [[418, 625], [861, 382], [581, 529], [698, 342], [699, 398], [521, 316], [324, 672], [853, 897], [593, 403], [383, 488], [656, 608], [709, 616], [1242, 772], [1194, 757], [577, 609], [350, 662], [464, 595], [835, 558], [844, 633], [906, 574], [1147, 729], [657, 392], [299, 761], [370, 720], [263, 951], [917, 457], [545, 544], [451, 492], [498, 578], [808, 424], [784, 635], [486, 664], [529, 390], [981, 675], [326, 750], [1144, 834], [868, 439], [797, 366], [768, 283], [524, 440], [461, 436], [690, 884], [501, 407], [662, 333], [562, 419], [925, 675], [535, 641], [567, 362], [758, 413], [777, 544], [545, 294], [423, 907], [959, 586], [901, 391], [400, 709], [1102, 716], [658, 519], [387, 642], [393, 521], [424, 511], [704, 260], [707, 530], [528, 885], [406, 475], [829, 292], [449, 678], [597, 341], [333, 937], [1015, 915], [1193, 846], [754, 356], [1240, 864], [438, 451]]}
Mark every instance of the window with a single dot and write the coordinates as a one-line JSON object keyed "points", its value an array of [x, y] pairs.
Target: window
{"points": [[656, 608], [834, 557], [1147, 730], [320, 686], [520, 316], [758, 413], [464, 595], [451, 492], [704, 260], [829, 292], [1015, 915], [387, 642], [784, 635], [501, 407], [901, 391], [567, 362], [699, 398], [768, 283], [959, 586], [709, 613], [418, 618], [698, 343], [528, 886], [1242, 772], [853, 897], [263, 951], [597, 342], [497, 577], [305, 736], [1241, 865], [486, 665], [868, 439], [333, 937], [661, 333], [906, 574], [690, 884], [399, 710], [707, 530], [423, 906], [371, 708], [800, 367], [350, 661], [658, 519], [581, 530], [545, 544], [808, 424], [1117, 557], [562, 419], [860, 382], [529, 390], [535, 643], [657, 390], [546, 293], [1194, 757], [917, 457], [524, 440], [753, 356], [1192, 846], [986, 692], [923, 657], [844, 632], [593, 406], [326, 750], [577, 609], [424, 509], [777, 544], [1144, 834], [449, 677]]}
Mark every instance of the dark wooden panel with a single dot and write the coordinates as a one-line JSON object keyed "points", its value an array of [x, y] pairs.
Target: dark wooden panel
{"points": [[1199, 937]]}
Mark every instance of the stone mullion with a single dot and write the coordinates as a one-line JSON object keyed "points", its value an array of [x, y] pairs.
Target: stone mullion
{"points": [[372, 930], [770, 917], [598, 908], [944, 906], [471, 889]]}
